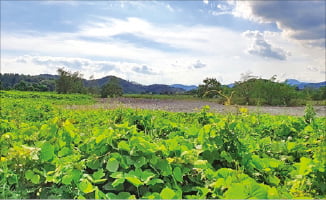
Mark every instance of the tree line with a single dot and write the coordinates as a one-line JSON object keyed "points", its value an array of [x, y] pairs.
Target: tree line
{"points": [[249, 91], [258, 91]]}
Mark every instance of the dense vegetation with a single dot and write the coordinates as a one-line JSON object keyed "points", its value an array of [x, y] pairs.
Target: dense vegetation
{"points": [[257, 91], [249, 91], [48, 151]]}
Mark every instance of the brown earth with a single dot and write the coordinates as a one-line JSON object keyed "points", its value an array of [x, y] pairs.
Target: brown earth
{"points": [[175, 105]]}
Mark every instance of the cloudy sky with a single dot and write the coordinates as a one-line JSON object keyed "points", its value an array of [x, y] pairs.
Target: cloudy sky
{"points": [[166, 41]]}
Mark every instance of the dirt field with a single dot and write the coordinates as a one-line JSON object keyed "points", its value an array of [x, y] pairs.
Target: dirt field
{"points": [[195, 105]]}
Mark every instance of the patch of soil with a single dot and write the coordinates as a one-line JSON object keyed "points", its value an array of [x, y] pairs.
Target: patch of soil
{"points": [[176, 105]]}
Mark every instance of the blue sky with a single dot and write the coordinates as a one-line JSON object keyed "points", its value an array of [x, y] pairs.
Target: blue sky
{"points": [[166, 41]]}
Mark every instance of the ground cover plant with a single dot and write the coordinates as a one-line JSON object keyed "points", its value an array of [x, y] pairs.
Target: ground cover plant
{"points": [[48, 151]]}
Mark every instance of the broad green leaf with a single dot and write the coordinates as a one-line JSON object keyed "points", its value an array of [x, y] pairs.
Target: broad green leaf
{"points": [[47, 151], [273, 193], [112, 165], [140, 162], [273, 180], [66, 179], [155, 181], [85, 186], [36, 179], [123, 145], [123, 195], [117, 175], [165, 167], [236, 191], [177, 174], [100, 138], [98, 174], [76, 174], [135, 181], [258, 191], [200, 164], [64, 151], [29, 174], [167, 193], [118, 182], [147, 176]]}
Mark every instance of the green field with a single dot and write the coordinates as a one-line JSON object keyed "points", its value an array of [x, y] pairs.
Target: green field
{"points": [[48, 151]]}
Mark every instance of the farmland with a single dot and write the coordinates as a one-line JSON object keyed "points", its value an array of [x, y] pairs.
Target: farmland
{"points": [[70, 146]]}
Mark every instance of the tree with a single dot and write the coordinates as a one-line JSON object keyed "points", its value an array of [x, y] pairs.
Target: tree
{"points": [[112, 89], [69, 82], [22, 86], [209, 88]]}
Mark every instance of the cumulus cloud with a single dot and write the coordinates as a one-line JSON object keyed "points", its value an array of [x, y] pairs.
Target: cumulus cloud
{"points": [[67, 62], [316, 69], [144, 70], [301, 20], [261, 47], [198, 65]]}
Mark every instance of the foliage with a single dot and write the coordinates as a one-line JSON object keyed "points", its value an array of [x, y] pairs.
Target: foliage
{"points": [[309, 113], [69, 82], [48, 151], [112, 89], [209, 88], [263, 91]]}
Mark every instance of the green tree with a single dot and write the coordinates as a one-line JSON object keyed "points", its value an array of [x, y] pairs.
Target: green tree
{"points": [[111, 89], [209, 88], [69, 82], [22, 86]]}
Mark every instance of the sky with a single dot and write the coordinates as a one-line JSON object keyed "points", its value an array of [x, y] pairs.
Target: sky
{"points": [[166, 42]]}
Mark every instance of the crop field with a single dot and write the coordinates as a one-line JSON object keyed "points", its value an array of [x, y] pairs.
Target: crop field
{"points": [[49, 150]]}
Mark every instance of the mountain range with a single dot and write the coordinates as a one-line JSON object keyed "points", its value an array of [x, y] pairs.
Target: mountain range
{"points": [[9, 80], [302, 85]]}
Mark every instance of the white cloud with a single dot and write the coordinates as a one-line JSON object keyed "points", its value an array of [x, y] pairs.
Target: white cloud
{"points": [[301, 20], [93, 50], [261, 47], [144, 70], [198, 64]]}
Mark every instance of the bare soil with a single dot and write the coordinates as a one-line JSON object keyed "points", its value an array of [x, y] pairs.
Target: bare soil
{"points": [[176, 105]]}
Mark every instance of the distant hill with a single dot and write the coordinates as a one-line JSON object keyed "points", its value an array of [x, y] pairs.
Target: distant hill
{"points": [[296, 83], [302, 85], [135, 88], [10, 80], [184, 87]]}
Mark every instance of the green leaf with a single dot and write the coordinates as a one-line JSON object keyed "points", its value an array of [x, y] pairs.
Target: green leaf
{"points": [[75, 174], [112, 165], [123, 195], [117, 175], [177, 174], [47, 151], [258, 191], [167, 193], [146, 176], [236, 191], [29, 174], [200, 164], [118, 182], [85, 186], [123, 145], [98, 174], [64, 151], [66, 179], [135, 181], [36, 179], [155, 181], [165, 167], [273, 180], [140, 162]]}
